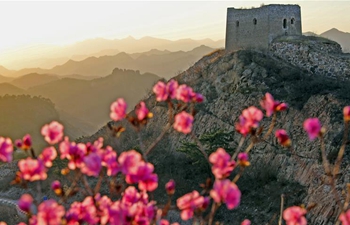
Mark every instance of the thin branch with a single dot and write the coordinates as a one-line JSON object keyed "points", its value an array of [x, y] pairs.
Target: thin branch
{"points": [[201, 147], [159, 138], [341, 151], [272, 125], [241, 142], [281, 211], [212, 213]]}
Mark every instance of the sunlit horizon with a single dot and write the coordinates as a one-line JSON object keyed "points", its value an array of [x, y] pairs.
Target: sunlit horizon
{"points": [[40, 25]]}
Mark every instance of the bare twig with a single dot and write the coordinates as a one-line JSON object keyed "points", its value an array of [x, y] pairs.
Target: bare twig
{"points": [[281, 211], [201, 147], [241, 142], [212, 213], [341, 151], [272, 125], [159, 138]]}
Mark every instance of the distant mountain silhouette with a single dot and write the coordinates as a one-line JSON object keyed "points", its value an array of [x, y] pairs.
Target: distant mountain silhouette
{"points": [[4, 79], [33, 79], [163, 63], [5, 72], [150, 52], [343, 38], [24, 114], [9, 89], [90, 100], [47, 56]]}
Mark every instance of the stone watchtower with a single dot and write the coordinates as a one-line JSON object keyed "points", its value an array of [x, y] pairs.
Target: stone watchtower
{"points": [[257, 27]]}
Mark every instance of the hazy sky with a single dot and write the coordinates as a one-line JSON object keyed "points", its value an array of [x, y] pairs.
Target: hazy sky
{"points": [[61, 23]]}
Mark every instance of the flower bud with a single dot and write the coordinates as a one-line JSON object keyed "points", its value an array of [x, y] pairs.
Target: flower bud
{"points": [[243, 159], [56, 187], [170, 187]]}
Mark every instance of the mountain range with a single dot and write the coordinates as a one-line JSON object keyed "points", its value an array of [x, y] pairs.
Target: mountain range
{"points": [[78, 99], [48, 56], [163, 63]]}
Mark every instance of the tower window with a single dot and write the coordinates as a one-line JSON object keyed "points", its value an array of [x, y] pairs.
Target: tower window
{"points": [[237, 23], [292, 21], [285, 23], [255, 21]]}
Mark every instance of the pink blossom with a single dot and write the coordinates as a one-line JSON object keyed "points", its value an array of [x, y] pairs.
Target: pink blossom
{"points": [[246, 222], [131, 195], [75, 153], [222, 163], [48, 155], [196, 97], [82, 212], [104, 204], [170, 187], [189, 203], [253, 116], [172, 86], [6, 149], [271, 106], [345, 218], [118, 109], [283, 138], [183, 122], [242, 126], [92, 165], [295, 216], [148, 181], [33, 220], [25, 143], [227, 192], [52, 132], [50, 213], [164, 222], [95, 147], [243, 159], [129, 161], [134, 208], [184, 93], [160, 89], [32, 169], [109, 160], [142, 111], [25, 202], [249, 119], [313, 127], [346, 112]]}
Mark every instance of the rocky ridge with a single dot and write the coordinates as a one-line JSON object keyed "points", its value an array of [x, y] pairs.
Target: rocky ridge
{"points": [[232, 82], [317, 55]]}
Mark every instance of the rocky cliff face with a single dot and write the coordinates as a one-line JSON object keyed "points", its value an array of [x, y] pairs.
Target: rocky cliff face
{"points": [[231, 82], [318, 56]]}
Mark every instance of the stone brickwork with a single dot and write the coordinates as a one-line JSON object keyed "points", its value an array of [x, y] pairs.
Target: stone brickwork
{"points": [[258, 27], [322, 57]]}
